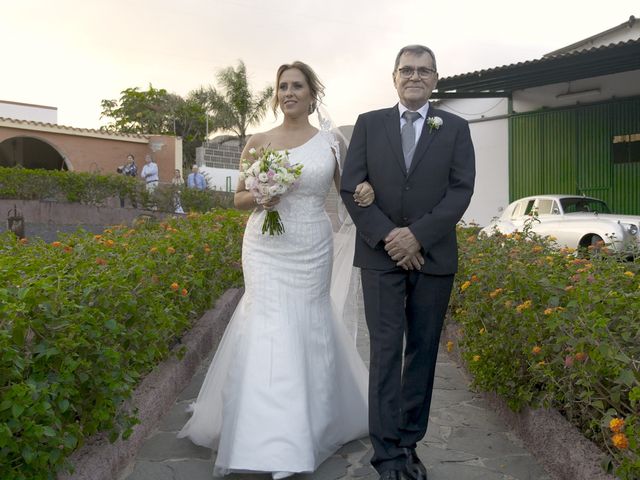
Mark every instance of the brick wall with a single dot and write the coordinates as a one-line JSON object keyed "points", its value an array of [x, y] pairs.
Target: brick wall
{"points": [[218, 155]]}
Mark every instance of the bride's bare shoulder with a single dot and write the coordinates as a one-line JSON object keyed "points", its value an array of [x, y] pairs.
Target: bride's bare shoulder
{"points": [[263, 139]]}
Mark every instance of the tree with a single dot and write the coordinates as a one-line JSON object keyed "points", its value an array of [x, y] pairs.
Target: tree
{"points": [[235, 107], [155, 111]]}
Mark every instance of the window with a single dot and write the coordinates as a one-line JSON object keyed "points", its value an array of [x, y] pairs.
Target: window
{"points": [[583, 204], [545, 206], [522, 208], [626, 148]]}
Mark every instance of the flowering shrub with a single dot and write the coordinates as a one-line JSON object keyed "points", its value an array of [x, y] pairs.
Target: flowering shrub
{"points": [[84, 318], [542, 326]]}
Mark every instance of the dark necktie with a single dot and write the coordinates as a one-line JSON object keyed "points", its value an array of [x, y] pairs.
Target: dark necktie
{"points": [[408, 135]]}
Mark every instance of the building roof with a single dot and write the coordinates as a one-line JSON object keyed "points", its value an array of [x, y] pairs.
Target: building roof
{"points": [[553, 68], [66, 130], [598, 37], [21, 104]]}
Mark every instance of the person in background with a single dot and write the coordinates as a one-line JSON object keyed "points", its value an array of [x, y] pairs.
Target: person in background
{"points": [[150, 173], [178, 182], [196, 179], [177, 179], [129, 169]]}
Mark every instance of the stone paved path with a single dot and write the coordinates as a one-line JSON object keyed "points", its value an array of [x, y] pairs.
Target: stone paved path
{"points": [[465, 441]]}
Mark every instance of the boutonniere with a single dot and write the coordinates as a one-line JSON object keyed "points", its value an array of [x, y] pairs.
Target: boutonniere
{"points": [[434, 123]]}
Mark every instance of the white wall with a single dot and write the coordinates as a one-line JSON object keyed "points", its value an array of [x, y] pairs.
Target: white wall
{"points": [[217, 178], [618, 85], [490, 134], [24, 111]]}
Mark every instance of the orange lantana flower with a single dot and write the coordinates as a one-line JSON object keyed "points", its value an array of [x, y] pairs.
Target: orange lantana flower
{"points": [[620, 441], [616, 425]]}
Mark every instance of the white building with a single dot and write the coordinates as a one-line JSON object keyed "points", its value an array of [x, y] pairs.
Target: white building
{"points": [[29, 112], [601, 68]]}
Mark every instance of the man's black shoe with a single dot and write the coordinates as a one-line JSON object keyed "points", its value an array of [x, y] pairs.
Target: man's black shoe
{"points": [[413, 468], [391, 475]]}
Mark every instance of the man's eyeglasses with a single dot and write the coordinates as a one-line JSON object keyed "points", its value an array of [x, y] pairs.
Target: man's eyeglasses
{"points": [[423, 72]]}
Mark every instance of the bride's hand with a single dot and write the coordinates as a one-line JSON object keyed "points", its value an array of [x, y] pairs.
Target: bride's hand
{"points": [[270, 203], [364, 194]]}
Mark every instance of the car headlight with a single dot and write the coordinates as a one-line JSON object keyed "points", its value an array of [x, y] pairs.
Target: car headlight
{"points": [[631, 228]]}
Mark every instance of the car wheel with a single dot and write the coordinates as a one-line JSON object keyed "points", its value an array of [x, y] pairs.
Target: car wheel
{"points": [[596, 243], [590, 245]]}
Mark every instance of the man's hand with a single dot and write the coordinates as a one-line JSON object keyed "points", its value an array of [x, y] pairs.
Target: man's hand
{"points": [[401, 243], [411, 263]]}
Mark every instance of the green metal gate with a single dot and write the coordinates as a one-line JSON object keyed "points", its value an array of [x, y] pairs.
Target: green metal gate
{"points": [[569, 150]]}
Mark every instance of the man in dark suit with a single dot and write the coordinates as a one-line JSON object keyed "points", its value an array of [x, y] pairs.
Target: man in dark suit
{"points": [[421, 165]]}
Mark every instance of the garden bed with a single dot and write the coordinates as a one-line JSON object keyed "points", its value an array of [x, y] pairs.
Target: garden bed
{"points": [[542, 328], [85, 318]]}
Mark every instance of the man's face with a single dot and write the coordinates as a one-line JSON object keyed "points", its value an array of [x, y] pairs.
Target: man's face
{"points": [[415, 90]]}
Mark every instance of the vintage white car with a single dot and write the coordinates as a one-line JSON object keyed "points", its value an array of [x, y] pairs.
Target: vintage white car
{"points": [[574, 221]]}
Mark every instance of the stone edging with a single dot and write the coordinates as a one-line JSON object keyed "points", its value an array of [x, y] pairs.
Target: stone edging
{"points": [[100, 460], [558, 445]]}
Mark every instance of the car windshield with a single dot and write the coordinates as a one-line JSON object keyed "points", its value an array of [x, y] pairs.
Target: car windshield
{"points": [[581, 204]]}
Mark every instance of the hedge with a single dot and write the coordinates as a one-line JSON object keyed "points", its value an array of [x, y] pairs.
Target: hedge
{"points": [[543, 326], [83, 319], [97, 189]]}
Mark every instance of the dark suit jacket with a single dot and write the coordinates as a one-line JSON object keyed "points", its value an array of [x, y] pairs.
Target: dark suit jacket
{"points": [[429, 199]]}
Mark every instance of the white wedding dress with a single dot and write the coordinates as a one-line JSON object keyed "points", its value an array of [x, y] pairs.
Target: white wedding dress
{"points": [[286, 387]]}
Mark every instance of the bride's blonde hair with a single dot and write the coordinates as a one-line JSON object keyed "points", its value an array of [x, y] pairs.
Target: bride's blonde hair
{"points": [[315, 85]]}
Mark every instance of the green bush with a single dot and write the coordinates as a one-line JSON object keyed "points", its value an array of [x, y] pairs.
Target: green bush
{"points": [[54, 185], [191, 200], [96, 189], [543, 327], [84, 318]]}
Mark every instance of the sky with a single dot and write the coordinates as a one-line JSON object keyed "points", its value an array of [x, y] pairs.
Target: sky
{"points": [[71, 54]]}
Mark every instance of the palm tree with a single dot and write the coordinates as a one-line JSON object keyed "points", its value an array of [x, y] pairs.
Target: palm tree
{"points": [[235, 107]]}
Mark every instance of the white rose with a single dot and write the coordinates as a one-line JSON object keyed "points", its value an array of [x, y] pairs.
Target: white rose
{"points": [[264, 191], [274, 190], [437, 122], [277, 177], [262, 176]]}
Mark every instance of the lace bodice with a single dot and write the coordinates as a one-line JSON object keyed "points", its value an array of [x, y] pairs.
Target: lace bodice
{"points": [[306, 201]]}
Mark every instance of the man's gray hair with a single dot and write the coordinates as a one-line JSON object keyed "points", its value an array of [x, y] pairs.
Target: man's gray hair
{"points": [[416, 50]]}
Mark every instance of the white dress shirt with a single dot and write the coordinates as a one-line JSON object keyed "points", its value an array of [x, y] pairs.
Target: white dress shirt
{"points": [[150, 172]]}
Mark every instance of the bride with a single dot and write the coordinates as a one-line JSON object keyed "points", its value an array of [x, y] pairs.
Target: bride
{"points": [[286, 387]]}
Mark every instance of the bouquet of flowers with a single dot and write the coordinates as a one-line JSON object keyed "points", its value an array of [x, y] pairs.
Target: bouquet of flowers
{"points": [[267, 175]]}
